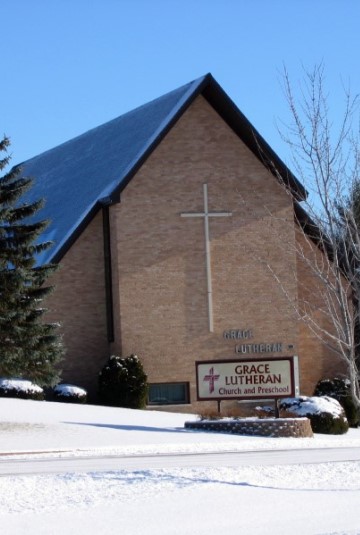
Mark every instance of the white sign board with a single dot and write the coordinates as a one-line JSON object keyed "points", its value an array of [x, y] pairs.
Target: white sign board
{"points": [[245, 379]]}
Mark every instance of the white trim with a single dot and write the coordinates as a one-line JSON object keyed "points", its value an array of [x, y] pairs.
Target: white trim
{"points": [[206, 215]]}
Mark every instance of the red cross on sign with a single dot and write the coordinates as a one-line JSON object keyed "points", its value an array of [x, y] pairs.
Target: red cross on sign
{"points": [[212, 377]]}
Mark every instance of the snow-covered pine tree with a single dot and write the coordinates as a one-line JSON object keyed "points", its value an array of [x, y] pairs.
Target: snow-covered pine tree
{"points": [[29, 347]]}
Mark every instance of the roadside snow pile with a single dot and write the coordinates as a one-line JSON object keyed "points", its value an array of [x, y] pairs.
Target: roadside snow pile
{"points": [[326, 414], [20, 388]]}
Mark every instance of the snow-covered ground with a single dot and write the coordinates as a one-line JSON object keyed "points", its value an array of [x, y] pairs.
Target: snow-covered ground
{"points": [[306, 499]]}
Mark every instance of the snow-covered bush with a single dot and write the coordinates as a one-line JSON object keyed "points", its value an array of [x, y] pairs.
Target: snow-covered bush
{"points": [[325, 414], [339, 389], [123, 383], [69, 394], [20, 388]]}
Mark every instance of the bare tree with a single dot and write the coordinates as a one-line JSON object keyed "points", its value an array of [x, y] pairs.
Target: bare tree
{"points": [[326, 158]]}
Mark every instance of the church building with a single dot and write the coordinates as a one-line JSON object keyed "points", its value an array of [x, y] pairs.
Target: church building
{"points": [[174, 226]]}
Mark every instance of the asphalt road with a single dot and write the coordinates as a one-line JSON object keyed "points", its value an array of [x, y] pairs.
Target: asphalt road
{"points": [[104, 463]]}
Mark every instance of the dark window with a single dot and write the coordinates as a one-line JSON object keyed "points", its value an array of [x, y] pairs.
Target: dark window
{"points": [[168, 393]]}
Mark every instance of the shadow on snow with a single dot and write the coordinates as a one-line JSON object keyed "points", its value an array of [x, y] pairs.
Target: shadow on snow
{"points": [[134, 427]]}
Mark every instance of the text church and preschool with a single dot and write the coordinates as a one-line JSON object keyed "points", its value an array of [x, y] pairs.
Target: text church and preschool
{"points": [[173, 225]]}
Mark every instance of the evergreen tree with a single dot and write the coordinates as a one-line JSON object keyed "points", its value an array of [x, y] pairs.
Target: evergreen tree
{"points": [[29, 347], [123, 382]]}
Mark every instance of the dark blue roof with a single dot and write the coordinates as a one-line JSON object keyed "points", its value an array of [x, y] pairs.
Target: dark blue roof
{"points": [[77, 176]]}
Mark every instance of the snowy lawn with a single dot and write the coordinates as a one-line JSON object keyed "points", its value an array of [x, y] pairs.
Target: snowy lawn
{"points": [[306, 499]]}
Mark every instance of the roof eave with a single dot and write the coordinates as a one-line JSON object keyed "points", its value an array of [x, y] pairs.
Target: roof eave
{"points": [[237, 121], [312, 230], [221, 102], [187, 101]]}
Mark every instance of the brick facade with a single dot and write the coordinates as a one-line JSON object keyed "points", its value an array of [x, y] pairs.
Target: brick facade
{"points": [[158, 264], [160, 256], [317, 360], [78, 303]]}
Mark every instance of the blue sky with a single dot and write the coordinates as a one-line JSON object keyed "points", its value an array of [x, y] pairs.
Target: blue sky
{"points": [[70, 65]]}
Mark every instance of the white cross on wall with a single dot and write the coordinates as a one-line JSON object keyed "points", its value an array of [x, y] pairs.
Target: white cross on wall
{"points": [[206, 215]]}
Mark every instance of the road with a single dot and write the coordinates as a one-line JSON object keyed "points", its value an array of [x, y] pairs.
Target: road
{"points": [[103, 463]]}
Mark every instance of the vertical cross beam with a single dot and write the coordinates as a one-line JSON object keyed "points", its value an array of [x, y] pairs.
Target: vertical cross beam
{"points": [[206, 215], [211, 378]]}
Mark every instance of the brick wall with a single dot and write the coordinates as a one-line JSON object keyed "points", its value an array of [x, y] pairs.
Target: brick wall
{"points": [[317, 360], [159, 278], [78, 303], [159, 256]]}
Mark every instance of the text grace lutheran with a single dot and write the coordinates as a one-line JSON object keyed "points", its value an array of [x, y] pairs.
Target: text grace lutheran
{"points": [[175, 226]]}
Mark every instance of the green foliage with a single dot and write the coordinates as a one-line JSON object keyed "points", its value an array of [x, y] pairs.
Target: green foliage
{"points": [[340, 390], [21, 389], [123, 383], [327, 424], [325, 414], [66, 393], [29, 347]]}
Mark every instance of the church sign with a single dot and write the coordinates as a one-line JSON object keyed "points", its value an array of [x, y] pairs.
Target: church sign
{"points": [[245, 379]]}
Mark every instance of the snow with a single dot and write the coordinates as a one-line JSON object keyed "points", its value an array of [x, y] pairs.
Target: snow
{"points": [[310, 499], [65, 389], [22, 385], [313, 405]]}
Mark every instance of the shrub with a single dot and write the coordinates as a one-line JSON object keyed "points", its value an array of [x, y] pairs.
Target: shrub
{"points": [[210, 414], [66, 393], [264, 411], [123, 383], [325, 414], [339, 389], [21, 389]]}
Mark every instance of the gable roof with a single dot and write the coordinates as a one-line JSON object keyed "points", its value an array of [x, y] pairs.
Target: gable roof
{"points": [[77, 177]]}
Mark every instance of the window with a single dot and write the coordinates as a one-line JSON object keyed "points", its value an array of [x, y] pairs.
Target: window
{"points": [[168, 393]]}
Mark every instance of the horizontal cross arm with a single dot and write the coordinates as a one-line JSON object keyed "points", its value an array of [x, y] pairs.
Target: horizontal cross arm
{"points": [[219, 214], [194, 214]]}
